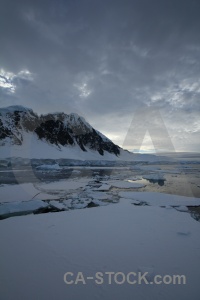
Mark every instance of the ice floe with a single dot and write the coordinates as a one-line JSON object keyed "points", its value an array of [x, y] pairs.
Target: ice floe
{"points": [[154, 177], [161, 199], [49, 167], [126, 184], [103, 187], [23, 192], [57, 205], [15, 208]]}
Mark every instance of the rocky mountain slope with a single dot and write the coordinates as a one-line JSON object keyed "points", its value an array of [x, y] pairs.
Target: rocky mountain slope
{"points": [[58, 130]]}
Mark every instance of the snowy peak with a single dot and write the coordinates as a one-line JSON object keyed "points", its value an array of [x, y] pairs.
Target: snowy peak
{"points": [[13, 121], [14, 108], [56, 129]]}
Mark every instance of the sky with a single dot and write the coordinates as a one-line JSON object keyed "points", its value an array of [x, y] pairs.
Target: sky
{"points": [[111, 61]]}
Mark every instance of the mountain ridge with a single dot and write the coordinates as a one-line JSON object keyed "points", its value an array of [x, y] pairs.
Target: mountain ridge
{"points": [[60, 130]]}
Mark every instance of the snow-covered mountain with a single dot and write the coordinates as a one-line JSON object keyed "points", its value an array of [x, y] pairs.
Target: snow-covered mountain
{"points": [[25, 134]]}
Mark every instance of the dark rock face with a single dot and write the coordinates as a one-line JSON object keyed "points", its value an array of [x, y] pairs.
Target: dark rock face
{"points": [[95, 142], [4, 132], [54, 132], [57, 129]]}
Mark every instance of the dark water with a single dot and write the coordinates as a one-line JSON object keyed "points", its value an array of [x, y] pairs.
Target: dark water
{"points": [[183, 180]]}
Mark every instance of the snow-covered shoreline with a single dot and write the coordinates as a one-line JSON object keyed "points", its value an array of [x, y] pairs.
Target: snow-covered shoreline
{"points": [[50, 225], [38, 250]]}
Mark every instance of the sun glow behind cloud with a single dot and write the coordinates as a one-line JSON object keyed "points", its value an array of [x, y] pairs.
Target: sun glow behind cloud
{"points": [[83, 85], [8, 80], [83, 89]]}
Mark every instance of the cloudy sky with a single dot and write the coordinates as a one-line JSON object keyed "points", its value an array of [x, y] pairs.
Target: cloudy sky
{"points": [[107, 60]]}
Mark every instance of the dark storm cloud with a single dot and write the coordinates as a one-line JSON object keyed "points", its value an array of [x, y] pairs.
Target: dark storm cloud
{"points": [[104, 59]]}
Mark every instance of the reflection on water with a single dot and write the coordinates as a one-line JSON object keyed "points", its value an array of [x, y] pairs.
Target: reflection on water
{"points": [[177, 181]]}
